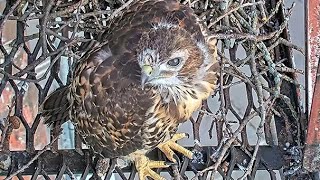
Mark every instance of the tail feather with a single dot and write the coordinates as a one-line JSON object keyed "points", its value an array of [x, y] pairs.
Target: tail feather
{"points": [[56, 106]]}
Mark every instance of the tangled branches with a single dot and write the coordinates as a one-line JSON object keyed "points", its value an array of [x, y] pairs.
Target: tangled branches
{"points": [[249, 25], [59, 32]]}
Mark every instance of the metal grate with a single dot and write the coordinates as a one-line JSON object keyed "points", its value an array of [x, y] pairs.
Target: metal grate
{"points": [[252, 122]]}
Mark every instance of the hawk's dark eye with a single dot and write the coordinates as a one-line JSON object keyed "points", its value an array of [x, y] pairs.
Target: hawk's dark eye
{"points": [[174, 62]]}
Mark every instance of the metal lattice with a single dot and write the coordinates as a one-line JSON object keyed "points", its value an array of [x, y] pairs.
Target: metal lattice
{"points": [[258, 91]]}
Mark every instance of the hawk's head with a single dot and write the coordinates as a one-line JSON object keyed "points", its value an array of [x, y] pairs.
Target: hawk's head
{"points": [[173, 62]]}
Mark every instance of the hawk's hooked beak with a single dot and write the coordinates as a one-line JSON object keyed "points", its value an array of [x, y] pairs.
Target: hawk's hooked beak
{"points": [[146, 71]]}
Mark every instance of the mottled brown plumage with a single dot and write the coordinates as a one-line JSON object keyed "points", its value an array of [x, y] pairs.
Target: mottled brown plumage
{"points": [[126, 96]]}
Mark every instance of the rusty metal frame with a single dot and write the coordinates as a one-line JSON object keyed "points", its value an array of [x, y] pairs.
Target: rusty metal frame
{"points": [[284, 155], [311, 152]]}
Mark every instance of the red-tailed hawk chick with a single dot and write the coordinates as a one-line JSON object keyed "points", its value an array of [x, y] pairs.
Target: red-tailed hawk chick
{"points": [[129, 96]]}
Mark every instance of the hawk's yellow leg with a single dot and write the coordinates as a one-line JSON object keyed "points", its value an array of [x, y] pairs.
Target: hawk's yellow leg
{"points": [[166, 147], [144, 166]]}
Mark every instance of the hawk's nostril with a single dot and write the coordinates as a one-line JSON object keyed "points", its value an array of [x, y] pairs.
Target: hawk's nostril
{"points": [[147, 69]]}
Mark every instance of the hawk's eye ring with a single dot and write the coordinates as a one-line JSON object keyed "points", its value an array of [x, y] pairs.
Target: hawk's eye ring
{"points": [[174, 62]]}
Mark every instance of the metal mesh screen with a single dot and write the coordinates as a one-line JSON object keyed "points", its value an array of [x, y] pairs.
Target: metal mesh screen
{"points": [[252, 122]]}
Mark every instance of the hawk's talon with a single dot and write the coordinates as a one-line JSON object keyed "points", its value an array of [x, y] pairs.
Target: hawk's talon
{"points": [[177, 160], [144, 167], [170, 145]]}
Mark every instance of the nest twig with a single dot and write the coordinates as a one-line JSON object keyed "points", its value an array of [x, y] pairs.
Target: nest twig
{"points": [[66, 29]]}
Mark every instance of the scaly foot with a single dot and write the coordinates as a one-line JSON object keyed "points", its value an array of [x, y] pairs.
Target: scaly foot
{"points": [[166, 147], [144, 166]]}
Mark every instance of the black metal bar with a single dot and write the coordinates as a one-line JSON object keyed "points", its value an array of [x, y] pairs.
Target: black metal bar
{"points": [[52, 162]]}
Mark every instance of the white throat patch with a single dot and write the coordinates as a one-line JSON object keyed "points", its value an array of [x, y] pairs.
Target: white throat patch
{"points": [[164, 25]]}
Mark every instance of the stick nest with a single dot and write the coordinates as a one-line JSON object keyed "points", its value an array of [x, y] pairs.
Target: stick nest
{"points": [[254, 52]]}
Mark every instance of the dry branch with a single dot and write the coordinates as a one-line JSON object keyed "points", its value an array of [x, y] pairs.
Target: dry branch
{"points": [[67, 29]]}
